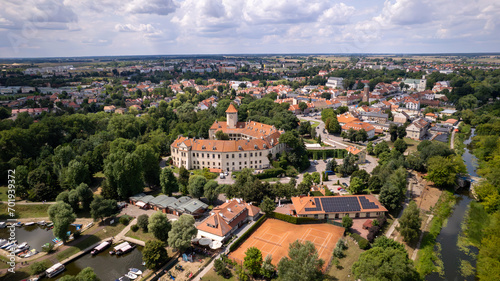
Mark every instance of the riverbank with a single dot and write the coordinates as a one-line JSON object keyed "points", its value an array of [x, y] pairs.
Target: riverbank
{"points": [[428, 258]]}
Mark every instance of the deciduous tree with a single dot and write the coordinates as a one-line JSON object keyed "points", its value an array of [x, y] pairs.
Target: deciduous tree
{"points": [[159, 226], [62, 215], [302, 263], [154, 254], [183, 230], [409, 223]]}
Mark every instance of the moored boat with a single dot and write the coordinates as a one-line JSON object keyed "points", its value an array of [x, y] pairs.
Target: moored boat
{"points": [[54, 270], [29, 223], [131, 275], [135, 271], [99, 248]]}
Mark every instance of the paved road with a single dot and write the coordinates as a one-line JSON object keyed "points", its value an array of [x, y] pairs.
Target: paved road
{"points": [[452, 142]]}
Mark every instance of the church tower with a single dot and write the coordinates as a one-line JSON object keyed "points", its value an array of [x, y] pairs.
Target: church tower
{"points": [[366, 93], [231, 116]]}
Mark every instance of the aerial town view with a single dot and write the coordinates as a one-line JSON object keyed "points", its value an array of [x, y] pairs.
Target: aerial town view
{"points": [[213, 140]]}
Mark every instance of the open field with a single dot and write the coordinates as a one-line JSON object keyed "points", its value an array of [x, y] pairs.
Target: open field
{"points": [[274, 236], [343, 271], [25, 211]]}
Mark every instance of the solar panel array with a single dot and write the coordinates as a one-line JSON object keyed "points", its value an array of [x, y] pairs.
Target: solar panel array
{"points": [[317, 208], [366, 204], [340, 204]]}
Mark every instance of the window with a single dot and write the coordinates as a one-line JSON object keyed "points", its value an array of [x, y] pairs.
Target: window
{"points": [[251, 154], [203, 163], [197, 155], [233, 155], [245, 155], [202, 155], [260, 153], [239, 155], [240, 163], [245, 162], [213, 163], [227, 156], [260, 161], [218, 155]]}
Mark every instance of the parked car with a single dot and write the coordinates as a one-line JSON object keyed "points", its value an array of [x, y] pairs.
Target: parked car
{"points": [[344, 184], [222, 176]]}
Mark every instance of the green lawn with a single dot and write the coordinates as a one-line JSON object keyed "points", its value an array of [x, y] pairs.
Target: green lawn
{"points": [[3, 193], [140, 235], [24, 211], [343, 272], [314, 124], [412, 144], [213, 276]]}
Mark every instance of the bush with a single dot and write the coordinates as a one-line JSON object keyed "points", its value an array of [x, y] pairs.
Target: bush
{"points": [[335, 153], [270, 173], [125, 220], [142, 222], [290, 219], [134, 227], [48, 247], [245, 235], [38, 267], [338, 253], [362, 242]]}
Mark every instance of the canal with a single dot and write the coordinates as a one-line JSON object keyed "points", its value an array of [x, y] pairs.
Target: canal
{"points": [[448, 238], [105, 266], [36, 235]]}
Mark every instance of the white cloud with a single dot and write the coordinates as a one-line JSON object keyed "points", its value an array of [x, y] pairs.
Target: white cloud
{"points": [[135, 28], [159, 7]]}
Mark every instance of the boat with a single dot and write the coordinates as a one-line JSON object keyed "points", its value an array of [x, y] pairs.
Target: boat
{"points": [[7, 245], [135, 271], [3, 225], [23, 253], [41, 223], [29, 223], [123, 278], [3, 242], [21, 249], [54, 270], [99, 248], [131, 275], [12, 246], [50, 225], [32, 252], [118, 247], [125, 249]]}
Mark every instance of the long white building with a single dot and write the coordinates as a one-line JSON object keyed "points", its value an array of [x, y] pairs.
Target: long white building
{"points": [[248, 146]]}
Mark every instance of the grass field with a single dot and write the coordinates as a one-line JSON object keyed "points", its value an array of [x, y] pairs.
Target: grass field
{"points": [[24, 211], [412, 144], [314, 124], [140, 235], [343, 271]]}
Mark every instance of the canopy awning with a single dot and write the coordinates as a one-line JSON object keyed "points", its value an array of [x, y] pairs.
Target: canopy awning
{"points": [[140, 204]]}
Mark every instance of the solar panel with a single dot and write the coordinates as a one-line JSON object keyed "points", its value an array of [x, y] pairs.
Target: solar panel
{"points": [[366, 204], [340, 204], [315, 209]]}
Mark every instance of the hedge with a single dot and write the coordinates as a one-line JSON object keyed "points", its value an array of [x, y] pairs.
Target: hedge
{"points": [[291, 219], [362, 242], [336, 153], [245, 235], [270, 173]]}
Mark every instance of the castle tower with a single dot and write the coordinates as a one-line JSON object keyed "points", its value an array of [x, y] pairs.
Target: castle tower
{"points": [[366, 93], [231, 116]]}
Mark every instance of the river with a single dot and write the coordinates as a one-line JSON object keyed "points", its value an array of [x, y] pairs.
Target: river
{"points": [[448, 238]]}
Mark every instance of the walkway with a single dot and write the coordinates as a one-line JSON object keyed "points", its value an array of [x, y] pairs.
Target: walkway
{"points": [[452, 142], [414, 255]]}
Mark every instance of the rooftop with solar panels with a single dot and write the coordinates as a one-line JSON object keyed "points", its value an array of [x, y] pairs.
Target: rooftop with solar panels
{"points": [[314, 205]]}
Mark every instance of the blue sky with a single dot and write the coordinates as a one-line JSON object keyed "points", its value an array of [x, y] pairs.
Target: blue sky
{"points": [[48, 28]]}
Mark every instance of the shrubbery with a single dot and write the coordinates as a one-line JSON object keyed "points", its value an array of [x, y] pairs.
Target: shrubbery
{"points": [[291, 219], [270, 173], [362, 242], [125, 220], [134, 227]]}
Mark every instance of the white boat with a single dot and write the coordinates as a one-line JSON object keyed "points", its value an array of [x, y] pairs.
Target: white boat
{"points": [[131, 275], [8, 244], [123, 278], [125, 249], [3, 242], [99, 248], [41, 223], [29, 223], [54, 270], [3, 225], [119, 247], [135, 271], [21, 249]]}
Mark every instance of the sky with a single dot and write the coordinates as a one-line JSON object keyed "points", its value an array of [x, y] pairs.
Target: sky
{"points": [[64, 28]]}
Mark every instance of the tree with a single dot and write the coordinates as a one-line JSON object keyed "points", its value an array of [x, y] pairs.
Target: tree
{"points": [[76, 173], [74, 200], [332, 125], [401, 132], [85, 195], [362, 175], [302, 106], [168, 181], [268, 269], [385, 264], [375, 184], [61, 214], [347, 222], [196, 185], [123, 173], [356, 185], [409, 223], [159, 226], [211, 191], [63, 197], [443, 170], [302, 263], [268, 205], [331, 165], [221, 268], [183, 176], [400, 145], [183, 230], [393, 131], [101, 208], [253, 261], [154, 254], [142, 222], [220, 135], [148, 159], [316, 177], [305, 128], [361, 135], [369, 148], [381, 147], [38, 267]]}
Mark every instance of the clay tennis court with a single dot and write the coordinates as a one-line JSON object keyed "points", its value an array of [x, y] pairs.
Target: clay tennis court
{"points": [[274, 236]]}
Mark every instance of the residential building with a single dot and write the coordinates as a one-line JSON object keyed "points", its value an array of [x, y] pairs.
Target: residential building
{"points": [[225, 219], [401, 117], [335, 83], [248, 146], [360, 153], [358, 125], [337, 207], [378, 117], [417, 129]]}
